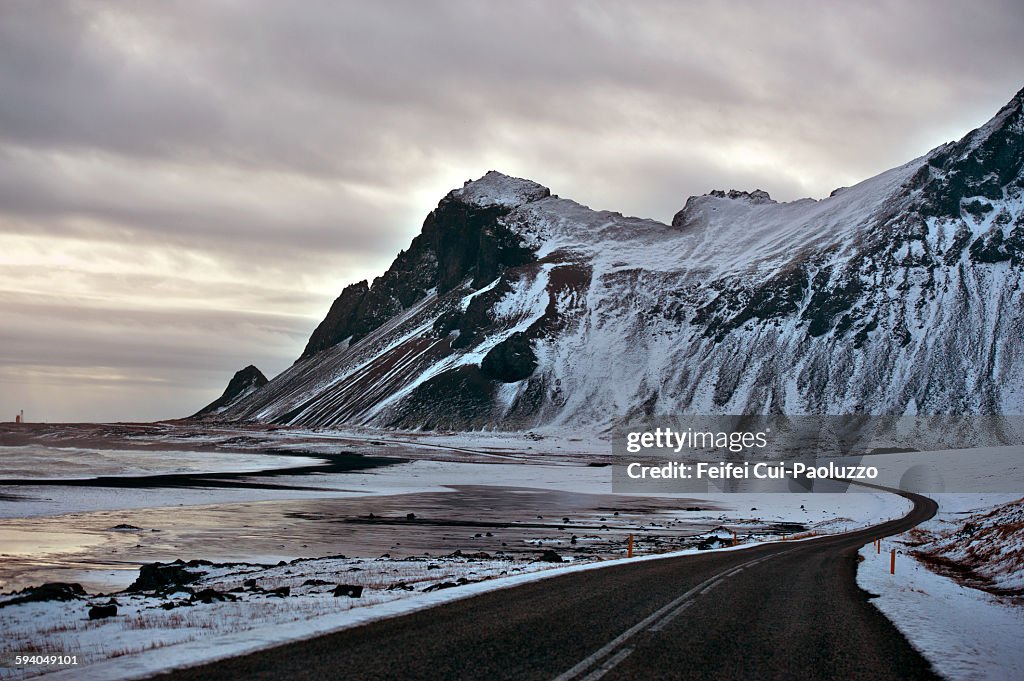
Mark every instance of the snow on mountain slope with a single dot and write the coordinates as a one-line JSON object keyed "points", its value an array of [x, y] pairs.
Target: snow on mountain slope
{"points": [[517, 309]]}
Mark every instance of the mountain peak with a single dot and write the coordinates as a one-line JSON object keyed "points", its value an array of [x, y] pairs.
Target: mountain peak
{"points": [[244, 383], [498, 189], [696, 210], [987, 163], [756, 196]]}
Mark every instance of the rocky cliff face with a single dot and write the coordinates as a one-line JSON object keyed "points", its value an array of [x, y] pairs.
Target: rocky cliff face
{"points": [[517, 309]]}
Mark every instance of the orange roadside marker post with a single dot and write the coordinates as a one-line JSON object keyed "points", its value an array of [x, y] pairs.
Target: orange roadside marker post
{"points": [[892, 562], [734, 537], [629, 547]]}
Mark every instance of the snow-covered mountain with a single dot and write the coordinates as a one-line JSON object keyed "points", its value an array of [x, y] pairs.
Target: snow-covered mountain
{"points": [[516, 309]]}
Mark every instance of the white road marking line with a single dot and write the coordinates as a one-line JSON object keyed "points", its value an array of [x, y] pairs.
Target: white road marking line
{"points": [[659, 618], [608, 665]]}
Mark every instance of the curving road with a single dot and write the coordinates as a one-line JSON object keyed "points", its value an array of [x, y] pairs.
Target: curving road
{"points": [[788, 610]]}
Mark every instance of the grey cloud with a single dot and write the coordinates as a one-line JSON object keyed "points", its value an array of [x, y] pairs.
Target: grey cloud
{"points": [[303, 143]]}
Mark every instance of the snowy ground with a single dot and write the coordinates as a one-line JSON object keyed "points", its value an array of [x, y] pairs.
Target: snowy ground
{"points": [[965, 632]]}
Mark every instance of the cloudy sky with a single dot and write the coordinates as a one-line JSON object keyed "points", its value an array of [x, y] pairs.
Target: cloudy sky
{"points": [[185, 186]]}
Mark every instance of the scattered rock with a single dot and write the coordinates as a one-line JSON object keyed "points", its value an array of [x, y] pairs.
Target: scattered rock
{"points": [[410, 516], [249, 584], [315, 582], [280, 591], [124, 527]]}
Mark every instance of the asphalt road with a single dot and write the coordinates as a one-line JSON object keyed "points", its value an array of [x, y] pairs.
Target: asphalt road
{"points": [[789, 610]]}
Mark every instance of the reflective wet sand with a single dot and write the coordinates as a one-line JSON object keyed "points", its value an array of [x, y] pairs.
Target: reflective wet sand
{"points": [[86, 547]]}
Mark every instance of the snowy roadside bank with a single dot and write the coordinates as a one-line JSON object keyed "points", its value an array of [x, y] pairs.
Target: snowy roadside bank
{"points": [[965, 632]]}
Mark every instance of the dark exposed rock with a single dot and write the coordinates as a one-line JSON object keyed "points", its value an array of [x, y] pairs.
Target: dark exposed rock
{"points": [[780, 297], [211, 595], [99, 612], [549, 556], [459, 241], [756, 196], [350, 590], [989, 247], [244, 382], [401, 586], [162, 576], [830, 298], [439, 586], [448, 585], [510, 360], [338, 323], [979, 165], [454, 397], [50, 591]]}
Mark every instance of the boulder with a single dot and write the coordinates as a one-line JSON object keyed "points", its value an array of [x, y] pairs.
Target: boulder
{"points": [[99, 612], [350, 590]]}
